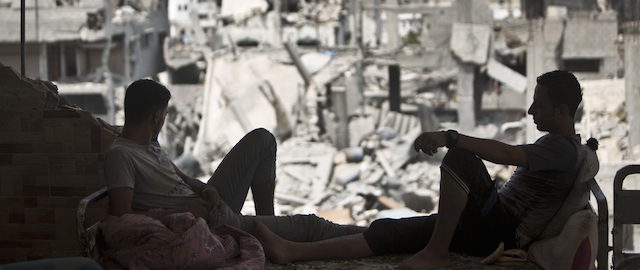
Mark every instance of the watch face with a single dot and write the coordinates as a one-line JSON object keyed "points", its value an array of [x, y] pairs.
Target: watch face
{"points": [[452, 138]]}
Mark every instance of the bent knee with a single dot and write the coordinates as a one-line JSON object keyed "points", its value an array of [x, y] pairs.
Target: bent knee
{"points": [[261, 134], [457, 153], [381, 225], [461, 157]]}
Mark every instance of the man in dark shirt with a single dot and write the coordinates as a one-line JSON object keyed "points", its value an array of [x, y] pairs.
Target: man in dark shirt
{"points": [[473, 215]]}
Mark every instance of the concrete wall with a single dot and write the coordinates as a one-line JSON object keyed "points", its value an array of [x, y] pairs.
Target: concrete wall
{"points": [[581, 38], [593, 39], [50, 158], [149, 60], [145, 60]]}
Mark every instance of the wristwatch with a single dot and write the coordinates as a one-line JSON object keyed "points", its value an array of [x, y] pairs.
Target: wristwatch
{"points": [[452, 137]]}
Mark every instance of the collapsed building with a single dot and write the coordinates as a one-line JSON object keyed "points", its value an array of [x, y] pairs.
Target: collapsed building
{"points": [[344, 85], [355, 98], [86, 48]]}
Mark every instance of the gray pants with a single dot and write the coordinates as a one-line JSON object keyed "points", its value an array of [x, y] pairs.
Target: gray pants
{"points": [[297, 228], [253, 160]]}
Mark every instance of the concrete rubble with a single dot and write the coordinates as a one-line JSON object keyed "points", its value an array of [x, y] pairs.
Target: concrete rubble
{"points": [[347, 86], [344, 85], [378, 175], [368, 170]]}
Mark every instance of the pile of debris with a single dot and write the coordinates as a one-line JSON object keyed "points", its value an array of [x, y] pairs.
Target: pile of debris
{"points": [[605, 118], [379, 174]]}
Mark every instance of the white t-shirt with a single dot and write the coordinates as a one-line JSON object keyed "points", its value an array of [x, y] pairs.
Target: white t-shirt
{"points": [[148, 170]]}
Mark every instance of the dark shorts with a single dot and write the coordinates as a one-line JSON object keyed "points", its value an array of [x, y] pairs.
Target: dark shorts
{"points": [[483, 224]]}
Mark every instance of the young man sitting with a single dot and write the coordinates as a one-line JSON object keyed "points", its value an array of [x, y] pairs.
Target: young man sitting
{"points": [[140, 177], [473, 215]]}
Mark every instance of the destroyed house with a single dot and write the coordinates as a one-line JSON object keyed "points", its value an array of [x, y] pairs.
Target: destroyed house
{"points": [[71, 42], [579, 36]]}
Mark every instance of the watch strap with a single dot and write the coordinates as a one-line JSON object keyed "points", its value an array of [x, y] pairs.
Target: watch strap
{"points": [[452, 138]]}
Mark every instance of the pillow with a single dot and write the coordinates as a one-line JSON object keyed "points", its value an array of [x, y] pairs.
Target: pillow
{"points": [[574, 248], [578, 197]]}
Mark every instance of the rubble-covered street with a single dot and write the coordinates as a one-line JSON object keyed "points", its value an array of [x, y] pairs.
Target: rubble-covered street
{"points": [[344, 150]]}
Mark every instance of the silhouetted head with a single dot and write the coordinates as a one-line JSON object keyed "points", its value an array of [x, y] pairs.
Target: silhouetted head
{"points": [[562, 88], [143, 99]]}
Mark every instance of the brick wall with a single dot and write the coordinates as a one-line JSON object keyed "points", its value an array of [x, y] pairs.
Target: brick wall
{"points": [[50, 158]]}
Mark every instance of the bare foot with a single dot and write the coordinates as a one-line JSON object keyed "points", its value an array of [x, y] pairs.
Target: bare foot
{"points": [[426, 260], [275, 248]]}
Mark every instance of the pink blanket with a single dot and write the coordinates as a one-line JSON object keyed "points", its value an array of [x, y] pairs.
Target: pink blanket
{"points": [[177, 241]]}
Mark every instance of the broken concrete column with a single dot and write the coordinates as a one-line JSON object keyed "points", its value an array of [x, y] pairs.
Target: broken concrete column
{"points": [[470, 43], [393, 37], [353, 94], [632, 85], [339, 100], [394, 88], [535, 67], [356, 15], [284, 128], [466, 114], [428, 119], [378, 20]]}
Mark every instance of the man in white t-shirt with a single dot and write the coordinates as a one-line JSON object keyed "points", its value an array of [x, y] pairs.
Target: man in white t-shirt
{"points": [[141, 177]]}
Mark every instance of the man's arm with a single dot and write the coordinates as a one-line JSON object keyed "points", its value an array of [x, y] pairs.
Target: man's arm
{"points": [[196, 185], [494, 151], [208, 193], [120, 200], [490, 150]]}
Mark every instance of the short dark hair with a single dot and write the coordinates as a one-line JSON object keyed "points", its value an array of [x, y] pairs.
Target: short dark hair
{"points": [[562, 88], [142, 98]]}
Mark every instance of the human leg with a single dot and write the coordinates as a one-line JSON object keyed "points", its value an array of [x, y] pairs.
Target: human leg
{"points": [[466, 189], [263, 197], [249, 164], [451, 205], [384, 236], [297, 228], [400, 236], [279, 250]]}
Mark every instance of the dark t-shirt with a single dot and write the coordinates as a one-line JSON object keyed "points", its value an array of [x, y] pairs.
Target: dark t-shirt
{"points": [[536, 194]]}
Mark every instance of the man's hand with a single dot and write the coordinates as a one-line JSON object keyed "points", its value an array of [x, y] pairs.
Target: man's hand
{"points": [[429, 142], [199, 209], [212, 201]]}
